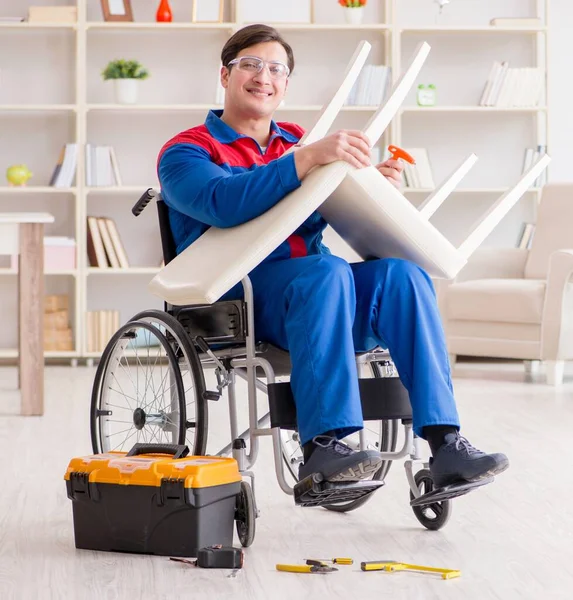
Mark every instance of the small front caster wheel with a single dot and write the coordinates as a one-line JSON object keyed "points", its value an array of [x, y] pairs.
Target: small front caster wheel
{"points": [[432, 516]]}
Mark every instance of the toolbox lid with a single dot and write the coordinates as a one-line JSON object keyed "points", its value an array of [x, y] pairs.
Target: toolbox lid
{"points": [[151, 469]]}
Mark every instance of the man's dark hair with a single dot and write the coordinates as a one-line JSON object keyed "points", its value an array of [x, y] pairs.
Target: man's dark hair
{"points": [[251, 35]]}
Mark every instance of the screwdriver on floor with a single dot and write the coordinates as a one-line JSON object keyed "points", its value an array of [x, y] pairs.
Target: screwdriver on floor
{"points": [[334, 561]]}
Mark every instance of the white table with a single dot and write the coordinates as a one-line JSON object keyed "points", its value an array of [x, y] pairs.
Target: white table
{"points": [[23, 234]]}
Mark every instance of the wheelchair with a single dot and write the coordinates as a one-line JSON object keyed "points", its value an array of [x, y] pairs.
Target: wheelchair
{"points": [[150, 388]]}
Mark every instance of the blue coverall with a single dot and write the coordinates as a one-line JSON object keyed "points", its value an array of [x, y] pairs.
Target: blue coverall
{"points": [[307, 301]]}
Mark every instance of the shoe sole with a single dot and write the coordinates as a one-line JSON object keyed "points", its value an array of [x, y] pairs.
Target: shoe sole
{"points": [[357, 472], [485, 475], [492, 472]]}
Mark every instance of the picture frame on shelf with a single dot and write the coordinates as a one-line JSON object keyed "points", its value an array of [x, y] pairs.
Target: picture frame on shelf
{"points": [[117, 10], [207, 11], [257, 11]]}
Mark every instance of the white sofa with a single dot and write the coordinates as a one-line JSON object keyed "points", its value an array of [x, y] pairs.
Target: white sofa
{"points": [[518, 303]]}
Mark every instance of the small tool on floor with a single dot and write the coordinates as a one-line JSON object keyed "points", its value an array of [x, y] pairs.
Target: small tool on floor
{"points": [[313, 568], [334, 561], [216, 557], [393, 566]]}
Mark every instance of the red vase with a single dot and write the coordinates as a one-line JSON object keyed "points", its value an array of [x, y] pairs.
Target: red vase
{"points": [[164, 14]]}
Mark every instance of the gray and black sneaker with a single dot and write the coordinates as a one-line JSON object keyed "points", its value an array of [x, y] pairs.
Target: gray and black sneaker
{"points": [[457, 461], [339, 463]]}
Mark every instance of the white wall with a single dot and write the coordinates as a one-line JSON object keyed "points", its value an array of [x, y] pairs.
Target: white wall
{"points": [[560, 92]]}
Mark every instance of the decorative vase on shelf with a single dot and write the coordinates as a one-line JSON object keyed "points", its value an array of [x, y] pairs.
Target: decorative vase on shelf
{"points": [[126, 90], [164, 14], [353, 11]]}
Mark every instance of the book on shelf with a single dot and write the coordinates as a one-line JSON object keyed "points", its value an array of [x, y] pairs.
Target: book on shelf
{"points": [[516, 22], [530, 157], [371, 87], [102, 168], [526, 238], [512, 87], [104, 245], [52, 14], [419, 175], [100, 327], [65, 169]]}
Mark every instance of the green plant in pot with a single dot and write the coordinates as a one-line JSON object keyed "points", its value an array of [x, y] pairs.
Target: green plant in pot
{"points": [[126, 75]]}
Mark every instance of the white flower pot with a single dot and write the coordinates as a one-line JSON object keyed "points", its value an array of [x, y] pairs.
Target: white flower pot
{"points": [[353, 16], [126, 90]]}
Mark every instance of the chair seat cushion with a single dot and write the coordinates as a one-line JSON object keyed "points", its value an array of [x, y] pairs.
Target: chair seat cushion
{"points": [[497, 300]]}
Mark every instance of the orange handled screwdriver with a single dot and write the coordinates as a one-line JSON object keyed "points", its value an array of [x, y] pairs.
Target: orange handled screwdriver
{"points": [[401, 153]]}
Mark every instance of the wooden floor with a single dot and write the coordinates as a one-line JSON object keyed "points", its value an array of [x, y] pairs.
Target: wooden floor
{"points": [[512, 539]]}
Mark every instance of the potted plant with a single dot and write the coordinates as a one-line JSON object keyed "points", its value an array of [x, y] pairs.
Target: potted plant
{"points": [[126, 74], [353, 10]]}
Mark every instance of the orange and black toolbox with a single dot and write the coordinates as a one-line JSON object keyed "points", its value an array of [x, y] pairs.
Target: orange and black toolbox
{"points": [[146, 502]]}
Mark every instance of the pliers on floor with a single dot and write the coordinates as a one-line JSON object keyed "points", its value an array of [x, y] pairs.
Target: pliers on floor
{"points": [[316, 567]]}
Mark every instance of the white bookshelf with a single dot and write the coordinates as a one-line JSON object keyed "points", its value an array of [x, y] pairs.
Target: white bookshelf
{"points": [[73, 104]]}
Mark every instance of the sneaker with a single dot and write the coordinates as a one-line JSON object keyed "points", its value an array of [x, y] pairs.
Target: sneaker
{"points": [[457, 460], [337, 462]]}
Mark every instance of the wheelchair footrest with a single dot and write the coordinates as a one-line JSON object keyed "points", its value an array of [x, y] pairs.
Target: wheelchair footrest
{"points": [[449, 491], [314, 491]]}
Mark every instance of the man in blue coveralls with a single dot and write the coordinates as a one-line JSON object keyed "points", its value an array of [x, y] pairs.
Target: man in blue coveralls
{"points": [[320, 308]]}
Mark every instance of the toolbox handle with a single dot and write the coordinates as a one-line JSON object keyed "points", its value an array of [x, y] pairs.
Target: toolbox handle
{"points": [[178, 450]]}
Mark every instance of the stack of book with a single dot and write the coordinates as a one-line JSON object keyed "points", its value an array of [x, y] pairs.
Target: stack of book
{"points": [[65, 170], [57, 331], [371, 87], [102, 168], [101, 325], [532, 155], [105, 248], [515, 87], [526, 237]]}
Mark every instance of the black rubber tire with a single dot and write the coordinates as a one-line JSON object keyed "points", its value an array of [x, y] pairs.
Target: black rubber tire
{"points": [[442, 511], [102, 371], [245, 515], [184, 341]]}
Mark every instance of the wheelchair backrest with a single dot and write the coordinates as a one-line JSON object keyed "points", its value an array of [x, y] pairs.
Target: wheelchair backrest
{"points": [[167, 241]]}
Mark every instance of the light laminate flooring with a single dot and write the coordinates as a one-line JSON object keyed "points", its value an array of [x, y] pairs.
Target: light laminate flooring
{"points": [[511, 539]]}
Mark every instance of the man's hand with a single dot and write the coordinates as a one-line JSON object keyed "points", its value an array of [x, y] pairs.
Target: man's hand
{"points": [[349, 145], [392, 170]]}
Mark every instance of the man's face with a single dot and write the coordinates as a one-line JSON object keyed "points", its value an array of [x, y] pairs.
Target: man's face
{"points": [[255, 94]]}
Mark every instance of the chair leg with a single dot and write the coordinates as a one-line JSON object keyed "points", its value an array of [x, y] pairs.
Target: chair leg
{"points": [[555, 369], [531, 366]]}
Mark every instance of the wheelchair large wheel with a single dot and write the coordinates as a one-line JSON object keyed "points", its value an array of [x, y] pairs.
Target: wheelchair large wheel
{"points": [[380, 435], [149, 387]]}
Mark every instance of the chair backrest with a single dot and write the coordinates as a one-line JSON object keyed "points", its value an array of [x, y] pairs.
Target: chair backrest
{"points": [[553, 230], [167, 241]]}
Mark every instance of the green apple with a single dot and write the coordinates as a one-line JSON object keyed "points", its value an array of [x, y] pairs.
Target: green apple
{"points": [[18, 174]]}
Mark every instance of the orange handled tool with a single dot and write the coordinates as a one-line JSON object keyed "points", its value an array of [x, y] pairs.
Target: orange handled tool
{"points": [[401, 153]]}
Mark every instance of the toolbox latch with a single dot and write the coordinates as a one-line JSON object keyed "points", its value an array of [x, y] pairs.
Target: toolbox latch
{"points": [[78, 486], [172, 491]]}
